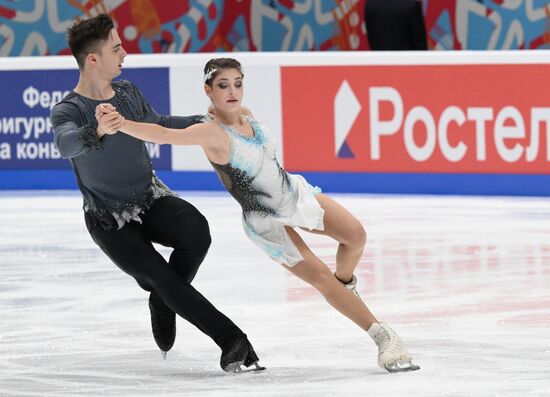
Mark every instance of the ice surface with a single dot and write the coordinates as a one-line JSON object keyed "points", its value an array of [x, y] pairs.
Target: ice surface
{"points": [[464, 281]]}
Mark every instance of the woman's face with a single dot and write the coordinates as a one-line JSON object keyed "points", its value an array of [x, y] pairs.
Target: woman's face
{"points": [[226, 92]]}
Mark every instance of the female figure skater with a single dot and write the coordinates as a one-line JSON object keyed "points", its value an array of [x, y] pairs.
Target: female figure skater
{"points": [[275, 202]]}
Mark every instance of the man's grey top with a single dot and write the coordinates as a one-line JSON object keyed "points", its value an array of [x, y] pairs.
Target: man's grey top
{"points": [[114, 173]]}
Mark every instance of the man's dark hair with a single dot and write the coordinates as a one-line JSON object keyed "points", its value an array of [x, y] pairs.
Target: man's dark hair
{"points": [[214, 66], [85, 36]]}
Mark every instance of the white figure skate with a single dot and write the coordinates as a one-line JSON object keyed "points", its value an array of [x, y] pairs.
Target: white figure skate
{"points": [[392, 352]]}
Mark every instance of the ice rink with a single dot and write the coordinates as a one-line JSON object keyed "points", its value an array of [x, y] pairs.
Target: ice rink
{"points": [[465, 281]]}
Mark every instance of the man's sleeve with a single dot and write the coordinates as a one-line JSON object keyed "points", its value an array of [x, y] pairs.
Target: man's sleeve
{"points": [[151, 116], [70, 138], [180, 121]]}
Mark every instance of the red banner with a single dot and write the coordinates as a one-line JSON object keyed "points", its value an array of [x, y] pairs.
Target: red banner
{"points": [[416, 118]]}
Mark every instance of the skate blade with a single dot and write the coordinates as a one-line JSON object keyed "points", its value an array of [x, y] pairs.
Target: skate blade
{"points": [[164, 354], [403, 366], [239, 368], [256, 368], [234, 367]]}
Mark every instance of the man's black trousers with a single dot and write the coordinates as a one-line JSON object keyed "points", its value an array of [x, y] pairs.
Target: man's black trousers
{"points": [[175, 223]]}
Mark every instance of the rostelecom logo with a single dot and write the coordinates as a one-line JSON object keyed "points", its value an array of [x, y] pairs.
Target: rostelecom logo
{"points": [[417, 118], [346, 109]]}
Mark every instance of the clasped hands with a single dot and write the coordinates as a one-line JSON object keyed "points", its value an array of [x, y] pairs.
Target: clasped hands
{"points": [[108, 119]]}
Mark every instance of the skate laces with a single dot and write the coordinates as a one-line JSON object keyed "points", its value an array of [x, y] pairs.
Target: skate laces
{"points": [[165, 315], [352, 287], [165, 320], [389, 343], [392, 352]]}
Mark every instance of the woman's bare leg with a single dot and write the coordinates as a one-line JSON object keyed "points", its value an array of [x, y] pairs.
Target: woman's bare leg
{"points": [[348, 231], [392, 352], [313, 271], [345, 228]]}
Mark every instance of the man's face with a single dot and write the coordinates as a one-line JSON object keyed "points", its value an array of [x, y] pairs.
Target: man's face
{"points": [[111, 56]]}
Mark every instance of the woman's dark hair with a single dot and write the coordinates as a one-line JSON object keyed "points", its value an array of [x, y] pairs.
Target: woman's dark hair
{"points": [[214, 66], [84, 37]]}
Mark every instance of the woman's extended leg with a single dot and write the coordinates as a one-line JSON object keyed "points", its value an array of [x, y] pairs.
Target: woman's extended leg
{"points": [[348, 231]]}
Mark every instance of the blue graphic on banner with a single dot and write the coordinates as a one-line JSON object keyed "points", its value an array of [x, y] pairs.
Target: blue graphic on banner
{"points": [[26, 135]]}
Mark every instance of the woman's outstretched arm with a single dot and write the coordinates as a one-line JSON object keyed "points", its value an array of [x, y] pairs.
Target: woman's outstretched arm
{"points": [[203, 134], [197, 134]]}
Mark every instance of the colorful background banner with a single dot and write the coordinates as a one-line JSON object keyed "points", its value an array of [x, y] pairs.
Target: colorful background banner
{"points": [[37, 27]]}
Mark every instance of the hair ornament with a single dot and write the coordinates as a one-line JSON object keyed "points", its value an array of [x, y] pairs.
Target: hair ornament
{"points": [[209, 73]]}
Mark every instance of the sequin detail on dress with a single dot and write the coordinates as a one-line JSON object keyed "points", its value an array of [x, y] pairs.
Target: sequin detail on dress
{"points": [[270, 197]]}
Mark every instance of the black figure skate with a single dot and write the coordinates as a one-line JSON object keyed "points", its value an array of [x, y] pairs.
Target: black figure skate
{"points": [[163, 323]]}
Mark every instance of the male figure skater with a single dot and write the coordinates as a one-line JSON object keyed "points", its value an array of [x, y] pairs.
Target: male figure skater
{"points": [[126, 207]]}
